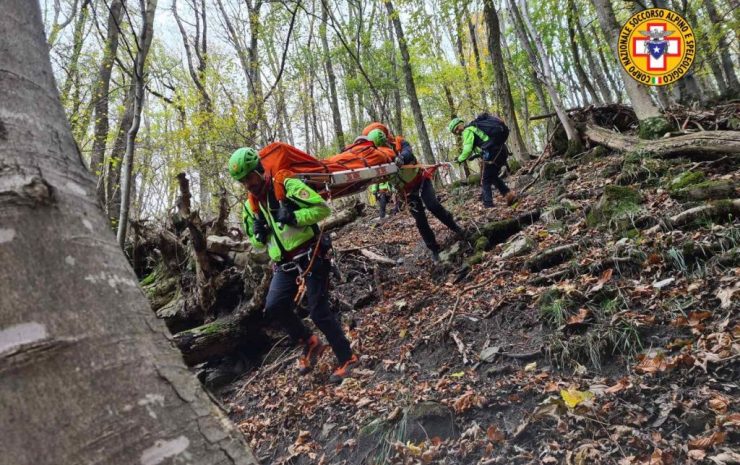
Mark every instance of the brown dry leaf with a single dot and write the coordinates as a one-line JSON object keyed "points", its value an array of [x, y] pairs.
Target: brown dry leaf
{"points": [[697, 317], [552, 386], [605, 277], [719, 404], [579, 318], [621, 385], [717, 437], [732, 419], [651, 364], [467, 401], [364, 402], [697, 454], [494, 434]]}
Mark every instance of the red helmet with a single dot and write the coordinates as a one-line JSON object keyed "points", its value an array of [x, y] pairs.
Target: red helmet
{"points": [[376, 125]]}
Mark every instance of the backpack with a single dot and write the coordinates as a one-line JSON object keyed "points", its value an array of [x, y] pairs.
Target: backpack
{"points": [[494, 148]]}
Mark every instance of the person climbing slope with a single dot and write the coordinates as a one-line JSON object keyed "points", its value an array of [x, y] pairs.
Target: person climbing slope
{"points": [[418, 189], [290, 233], [485, 137]]}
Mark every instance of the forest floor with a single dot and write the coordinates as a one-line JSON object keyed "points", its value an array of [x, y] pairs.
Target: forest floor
{"points": [[604, 336]]}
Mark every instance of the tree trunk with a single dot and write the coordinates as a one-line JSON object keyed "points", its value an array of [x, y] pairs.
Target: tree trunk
{"points": [[333, 100], [421, 129], [397, 109], [88, 376], [637, 93], [476, 55], [605, 65], [507, 102], [115, 160], [458, 34], [570, 130], [73, 72], [598, 76], [724, 49], [101, 98], [580, 72], [143, 44]]}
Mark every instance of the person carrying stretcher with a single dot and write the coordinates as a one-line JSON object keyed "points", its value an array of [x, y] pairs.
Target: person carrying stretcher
{"points": [[416, 185], [289, 230]]}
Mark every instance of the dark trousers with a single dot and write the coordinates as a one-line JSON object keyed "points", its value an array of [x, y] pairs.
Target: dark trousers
{"points": [[383, 198], [491, 177], [279, 305], [422, 197]]}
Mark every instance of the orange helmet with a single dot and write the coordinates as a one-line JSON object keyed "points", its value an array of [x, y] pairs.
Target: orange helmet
{"points": [[376, 125]]}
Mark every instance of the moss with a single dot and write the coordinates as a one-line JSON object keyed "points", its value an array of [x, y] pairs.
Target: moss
{"points": [[481, 244], [514, 165], [654, 128], [685, 179], [475, 259], [631, 233], [210, 328], [611, 170], [622, 194], [617, 206], [713, 189], [553, 169], [575, 146], [599, 151], [149, 279]]}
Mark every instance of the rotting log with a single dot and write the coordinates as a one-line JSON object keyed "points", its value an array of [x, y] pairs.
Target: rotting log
{"points": [[225, 335], [343, 217], [705, 145], [551, 257]]}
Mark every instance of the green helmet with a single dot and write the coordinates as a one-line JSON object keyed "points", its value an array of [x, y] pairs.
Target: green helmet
{"points": [[453, 124], [242, 162], [377, 137]]}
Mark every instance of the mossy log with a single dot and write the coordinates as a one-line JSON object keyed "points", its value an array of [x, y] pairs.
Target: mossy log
{"points": [[719, 212], [705, 145], [498, 232], [708, 190], [551, 257]]}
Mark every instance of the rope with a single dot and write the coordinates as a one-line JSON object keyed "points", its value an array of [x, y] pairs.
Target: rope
{"points": [[301, 279]]}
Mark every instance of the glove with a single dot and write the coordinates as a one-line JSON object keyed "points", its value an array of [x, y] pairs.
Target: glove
{"points": [[286, 216], [460, 161], [398, 161], [261, 229]]}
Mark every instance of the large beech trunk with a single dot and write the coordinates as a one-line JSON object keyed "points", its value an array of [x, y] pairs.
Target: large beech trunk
{"points": [[88, 376]]}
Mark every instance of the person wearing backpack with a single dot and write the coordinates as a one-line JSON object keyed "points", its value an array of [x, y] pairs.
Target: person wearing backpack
{"points": [[485, 137], [417, 188], [289, 231]]}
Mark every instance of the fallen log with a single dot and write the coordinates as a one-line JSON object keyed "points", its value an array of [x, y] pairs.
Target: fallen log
{"points": [[719, 211], [343, 217], [705, 145], [377, 258]]}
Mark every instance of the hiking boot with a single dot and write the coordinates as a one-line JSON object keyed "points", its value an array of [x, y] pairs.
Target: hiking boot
{"points": [[510, 198], [312, 350], [345, 370]]}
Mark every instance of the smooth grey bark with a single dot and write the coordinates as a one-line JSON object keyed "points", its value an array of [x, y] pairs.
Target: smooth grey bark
{"points": [[724, 48], [56, 26], [507, 101], [605, 66], [421, 129], [101, 98], [637, 93], [74, 59], [87, 375], [143, 44], [329, 67]]}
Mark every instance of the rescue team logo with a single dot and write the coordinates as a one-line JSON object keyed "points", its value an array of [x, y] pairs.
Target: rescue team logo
{"points": [[656, 46]]}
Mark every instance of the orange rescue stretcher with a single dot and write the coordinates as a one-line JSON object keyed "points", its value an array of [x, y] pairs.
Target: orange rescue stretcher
{"points": [[347, 173]]}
